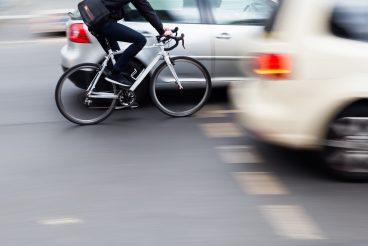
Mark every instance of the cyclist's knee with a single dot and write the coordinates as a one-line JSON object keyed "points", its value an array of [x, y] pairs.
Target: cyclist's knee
{"points": [[141, 42]]}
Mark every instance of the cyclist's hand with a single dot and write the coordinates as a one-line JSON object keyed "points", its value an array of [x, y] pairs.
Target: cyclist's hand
{"points": [[168, 32]]}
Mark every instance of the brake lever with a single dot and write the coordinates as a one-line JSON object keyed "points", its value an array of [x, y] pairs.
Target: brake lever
{"points": [[175, 30], [182, 40]]}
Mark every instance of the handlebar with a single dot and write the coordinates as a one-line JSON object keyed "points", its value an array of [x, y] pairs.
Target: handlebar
{"points": [[175, 38]]}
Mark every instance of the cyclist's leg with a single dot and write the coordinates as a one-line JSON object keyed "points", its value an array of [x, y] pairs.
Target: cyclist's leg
{"points": [[116, 31], [114, 46]]}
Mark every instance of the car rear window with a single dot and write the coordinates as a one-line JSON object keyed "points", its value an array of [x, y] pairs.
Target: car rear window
{"points": [[349, 20], [270, 23], [75, 15], [171, 11]]}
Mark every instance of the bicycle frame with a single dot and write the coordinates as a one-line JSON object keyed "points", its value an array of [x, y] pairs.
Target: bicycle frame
{"points": [[141, 76]]}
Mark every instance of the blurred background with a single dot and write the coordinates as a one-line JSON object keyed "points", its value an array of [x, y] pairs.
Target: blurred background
{"points": [[278, 156], [20, 19]]}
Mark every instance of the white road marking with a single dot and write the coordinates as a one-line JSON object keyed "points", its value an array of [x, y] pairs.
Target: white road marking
{"points": [[239, 154], [221, 130], [61, 221], [260, 183], [291, 222]]}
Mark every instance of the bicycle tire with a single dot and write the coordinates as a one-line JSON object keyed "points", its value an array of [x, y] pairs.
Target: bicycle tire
{"points": [[59, 90], [208, 87]]}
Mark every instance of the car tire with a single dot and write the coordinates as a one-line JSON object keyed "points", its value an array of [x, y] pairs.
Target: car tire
{"points": [[345, 151]]}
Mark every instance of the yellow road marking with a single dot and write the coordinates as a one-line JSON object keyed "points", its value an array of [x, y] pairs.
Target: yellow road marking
{"points": [[260, 183], [238, 154], [215, 111], [211, 111], [221, 130], [291, 222]]}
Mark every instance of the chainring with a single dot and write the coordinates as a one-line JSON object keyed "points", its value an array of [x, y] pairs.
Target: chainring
{"points": [[127, 97]]}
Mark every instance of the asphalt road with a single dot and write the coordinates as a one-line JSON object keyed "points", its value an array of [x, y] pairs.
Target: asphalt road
{"points": [[141, 178]]}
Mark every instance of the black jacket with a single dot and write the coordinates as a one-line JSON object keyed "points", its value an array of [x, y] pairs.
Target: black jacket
{"points": [[144, 8]]}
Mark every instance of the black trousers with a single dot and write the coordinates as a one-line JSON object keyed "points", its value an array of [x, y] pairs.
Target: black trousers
{"points": [[114, 32]]}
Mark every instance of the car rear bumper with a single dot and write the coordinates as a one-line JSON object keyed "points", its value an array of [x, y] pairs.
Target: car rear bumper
{"points": [[73, 54], [276, 123]]}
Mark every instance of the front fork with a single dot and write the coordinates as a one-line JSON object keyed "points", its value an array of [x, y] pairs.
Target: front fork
{"points": [[171, 67]]}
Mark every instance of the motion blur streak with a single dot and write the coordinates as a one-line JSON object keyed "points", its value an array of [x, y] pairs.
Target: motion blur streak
{"points": [[62, 221], [260, 165]]}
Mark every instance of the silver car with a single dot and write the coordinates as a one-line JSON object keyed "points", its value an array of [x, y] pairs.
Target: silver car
{"points": [[214, 33]]}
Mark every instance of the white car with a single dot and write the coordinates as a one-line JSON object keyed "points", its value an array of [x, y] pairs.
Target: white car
{"points": [[214, 30], [310, 85]]}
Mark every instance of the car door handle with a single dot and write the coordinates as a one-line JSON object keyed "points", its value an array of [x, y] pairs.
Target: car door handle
{"points": [[223, 36], [147, 34]]}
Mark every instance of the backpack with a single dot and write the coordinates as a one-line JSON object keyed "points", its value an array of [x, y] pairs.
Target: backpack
{"points": [[93, 12]]}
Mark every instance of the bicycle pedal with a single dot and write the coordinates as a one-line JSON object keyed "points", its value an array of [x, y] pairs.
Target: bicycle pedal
{"points": [[133, 106]]}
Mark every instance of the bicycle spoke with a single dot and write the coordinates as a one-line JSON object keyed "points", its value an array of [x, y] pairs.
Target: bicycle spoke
{"points": [[73, 100], [184, 101]]}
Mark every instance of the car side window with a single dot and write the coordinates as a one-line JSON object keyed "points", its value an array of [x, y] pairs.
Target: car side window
{"points": [[172, 11], [350, 19], [245, 12]]}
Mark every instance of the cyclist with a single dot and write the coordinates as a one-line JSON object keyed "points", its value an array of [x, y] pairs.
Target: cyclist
{"points": [[114, 32]]}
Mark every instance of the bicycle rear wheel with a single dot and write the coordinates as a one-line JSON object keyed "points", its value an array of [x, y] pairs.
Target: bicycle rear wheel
{"points": [[72, 100], [176, 102]]}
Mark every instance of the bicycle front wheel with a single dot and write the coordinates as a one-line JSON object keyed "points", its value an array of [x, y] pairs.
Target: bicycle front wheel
{"points": [[177, 102], [72, 100]]}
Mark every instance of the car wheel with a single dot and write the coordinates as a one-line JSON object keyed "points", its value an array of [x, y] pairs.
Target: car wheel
{"points": [[346, 145]]}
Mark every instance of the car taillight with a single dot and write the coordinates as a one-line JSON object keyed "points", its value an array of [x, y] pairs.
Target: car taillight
{"points": [[273, 66], [77, 33]]}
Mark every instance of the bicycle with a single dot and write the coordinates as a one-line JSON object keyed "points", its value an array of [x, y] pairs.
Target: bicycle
{"points": [[179, 86]]}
